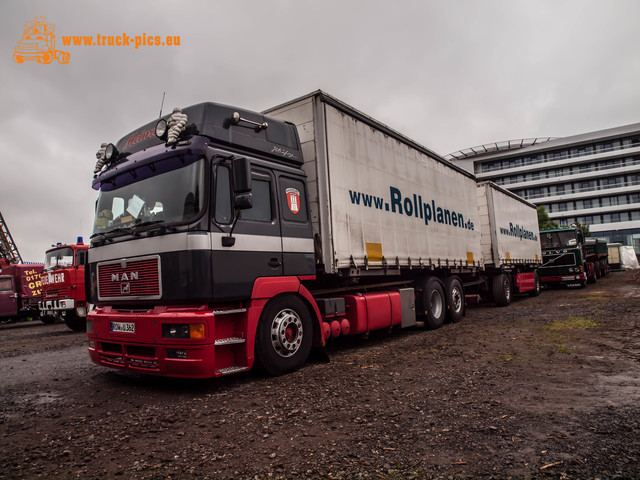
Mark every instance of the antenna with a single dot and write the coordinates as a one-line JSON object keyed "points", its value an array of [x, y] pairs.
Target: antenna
{"points": [[161, 105]]}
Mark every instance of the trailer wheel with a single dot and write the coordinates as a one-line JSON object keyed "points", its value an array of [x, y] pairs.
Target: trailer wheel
{"points": [[536, 291], [502, 291], [434, 303], [455, 299], [284, 336], [74, 322], [598, 269]]}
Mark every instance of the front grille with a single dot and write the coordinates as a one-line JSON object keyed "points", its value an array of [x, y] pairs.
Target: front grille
{"points": [[560, 260], [62, 292], [139, 279]]}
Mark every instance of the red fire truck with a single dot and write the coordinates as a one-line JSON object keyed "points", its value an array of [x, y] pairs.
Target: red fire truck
{"points": [[63, 293]]}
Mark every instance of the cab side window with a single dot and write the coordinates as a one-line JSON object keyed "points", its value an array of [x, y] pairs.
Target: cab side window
{"points": [[261, 210]]}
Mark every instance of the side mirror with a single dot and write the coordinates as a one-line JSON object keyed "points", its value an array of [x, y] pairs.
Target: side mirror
{"points": [[241, 175], [242, 201], [82, 258]]}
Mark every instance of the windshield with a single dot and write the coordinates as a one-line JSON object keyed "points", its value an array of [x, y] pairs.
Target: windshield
{"points": [[170, 197], [558, 239], [59, 258]]}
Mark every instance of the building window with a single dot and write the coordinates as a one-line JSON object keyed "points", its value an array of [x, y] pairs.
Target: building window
{"points": [[612, 182]]}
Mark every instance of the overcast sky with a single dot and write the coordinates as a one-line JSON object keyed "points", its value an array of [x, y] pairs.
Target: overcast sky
{"points": [[449, 74]]}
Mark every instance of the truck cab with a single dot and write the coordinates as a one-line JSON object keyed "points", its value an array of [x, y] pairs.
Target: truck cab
{"points": [[20, 291], [63, 286], [8, 297], [563, 257], [185, 231]]}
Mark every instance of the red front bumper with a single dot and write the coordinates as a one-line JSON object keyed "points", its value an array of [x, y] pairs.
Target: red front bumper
{"points": [[144, 350]]}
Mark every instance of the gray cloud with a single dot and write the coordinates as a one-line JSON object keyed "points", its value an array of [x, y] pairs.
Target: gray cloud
{"points": [[449, 74]]}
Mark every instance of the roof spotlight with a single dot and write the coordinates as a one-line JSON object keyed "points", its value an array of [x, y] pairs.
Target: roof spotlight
{"points": [[110, 152], [161, 129]]}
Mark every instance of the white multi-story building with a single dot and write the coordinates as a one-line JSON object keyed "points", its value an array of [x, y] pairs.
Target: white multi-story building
{"points": [[592, 178]]}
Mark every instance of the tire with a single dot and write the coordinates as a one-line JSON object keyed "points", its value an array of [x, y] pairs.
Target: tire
{"points": [[284, 336], [18, 58], [454, 292], [48, 320], [592, 278], [502, 290], [63, 58], [536, 291], [434, 303], [598, 269], [74, 322]]}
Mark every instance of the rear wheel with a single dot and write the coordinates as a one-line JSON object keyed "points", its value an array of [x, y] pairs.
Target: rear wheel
{"points": [[434, 303], [455, 299], [502, 291], [74, 322], [284, 336]]}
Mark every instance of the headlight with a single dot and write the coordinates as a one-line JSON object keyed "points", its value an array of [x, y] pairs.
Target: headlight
{"points": [[183, 330]]}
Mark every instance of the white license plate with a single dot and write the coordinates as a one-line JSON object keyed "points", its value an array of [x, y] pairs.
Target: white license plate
{"points": [[123, 327]]}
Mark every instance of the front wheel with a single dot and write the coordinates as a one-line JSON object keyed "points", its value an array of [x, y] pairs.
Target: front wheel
{"points": [[502, 290], [48, 319], [74, 322], [284, 336]]}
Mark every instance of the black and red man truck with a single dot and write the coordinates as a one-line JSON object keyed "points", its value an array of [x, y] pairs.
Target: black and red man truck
{"points": [[226, 238]]}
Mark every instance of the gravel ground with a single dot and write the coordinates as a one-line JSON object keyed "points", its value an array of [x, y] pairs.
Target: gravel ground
{"points": [[546, 388]]}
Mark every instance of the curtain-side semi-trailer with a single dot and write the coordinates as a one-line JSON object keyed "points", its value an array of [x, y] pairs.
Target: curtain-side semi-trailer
{"points": [[226, 238], [510, 241]]}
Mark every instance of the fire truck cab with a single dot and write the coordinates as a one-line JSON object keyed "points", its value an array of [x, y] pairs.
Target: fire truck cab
{"points": [[63, 292]]}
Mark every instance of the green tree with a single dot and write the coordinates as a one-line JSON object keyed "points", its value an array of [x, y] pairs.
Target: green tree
{"points": [[544, 222], [585, 229]]}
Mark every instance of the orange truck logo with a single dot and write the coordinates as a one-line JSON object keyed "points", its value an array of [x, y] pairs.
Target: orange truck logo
{"points": [[38, 43]]}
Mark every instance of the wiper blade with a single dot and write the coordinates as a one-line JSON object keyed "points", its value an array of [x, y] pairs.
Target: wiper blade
{"points": [[145, 224]]}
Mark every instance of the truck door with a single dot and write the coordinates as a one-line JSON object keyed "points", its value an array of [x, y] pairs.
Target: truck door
{"points": [[8, 297], [297, 237], [256, 249]]}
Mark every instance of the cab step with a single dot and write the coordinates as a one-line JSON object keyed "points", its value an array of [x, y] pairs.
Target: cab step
{"points": [[228, 341], [230, 370]]}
